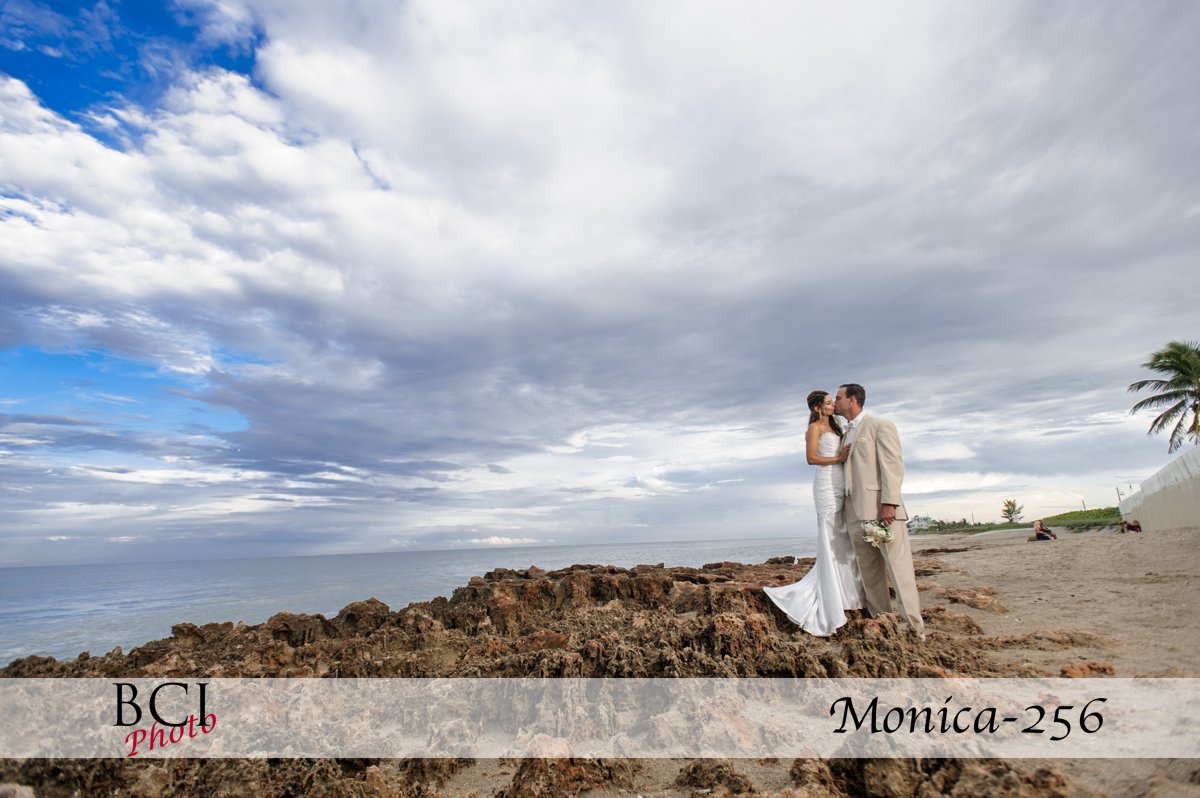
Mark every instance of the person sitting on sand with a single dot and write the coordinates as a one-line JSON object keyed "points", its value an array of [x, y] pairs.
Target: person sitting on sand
{"points": [[1042, 532], [1131, 525]]}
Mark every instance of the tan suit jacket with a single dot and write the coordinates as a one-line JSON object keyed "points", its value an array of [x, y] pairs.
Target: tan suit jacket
{"points": [[875, 468], [874, 472]]}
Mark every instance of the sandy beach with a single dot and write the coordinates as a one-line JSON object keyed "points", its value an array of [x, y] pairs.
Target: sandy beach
{"points": [[1129, 601]]}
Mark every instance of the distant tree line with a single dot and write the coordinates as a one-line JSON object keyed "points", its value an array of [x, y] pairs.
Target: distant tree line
{"points": [[1076, 519]]}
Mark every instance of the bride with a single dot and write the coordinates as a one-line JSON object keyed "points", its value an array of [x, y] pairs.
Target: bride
{"points": [[818, 602]]}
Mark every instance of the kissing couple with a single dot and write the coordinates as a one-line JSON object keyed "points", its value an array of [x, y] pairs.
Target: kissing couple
{"points": [[862, 538]]}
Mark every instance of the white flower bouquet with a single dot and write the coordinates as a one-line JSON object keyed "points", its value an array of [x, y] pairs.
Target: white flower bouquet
{"points": [[876, 533]]}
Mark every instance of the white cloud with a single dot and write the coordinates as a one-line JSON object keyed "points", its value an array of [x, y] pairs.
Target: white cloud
{"points": [[499, 540], [227, 22], [58, 512], [564, 270], [163, 476], [939, 450]]}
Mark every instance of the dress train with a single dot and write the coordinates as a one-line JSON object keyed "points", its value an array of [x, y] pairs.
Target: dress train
{"points": [[818, 602]]}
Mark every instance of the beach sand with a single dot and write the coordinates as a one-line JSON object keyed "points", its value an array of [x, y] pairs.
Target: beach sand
{"points": [[1131, 601], [1134, 597]]}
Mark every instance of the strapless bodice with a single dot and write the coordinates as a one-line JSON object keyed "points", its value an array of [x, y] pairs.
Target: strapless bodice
{"points": [[829, 483], [828, 444]]}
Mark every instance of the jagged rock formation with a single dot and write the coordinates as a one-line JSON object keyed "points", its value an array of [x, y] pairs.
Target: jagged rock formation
{"points": [[582, 621]]}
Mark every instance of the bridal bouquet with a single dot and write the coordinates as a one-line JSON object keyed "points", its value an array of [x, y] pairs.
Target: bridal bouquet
{"points": [[876, 533]]}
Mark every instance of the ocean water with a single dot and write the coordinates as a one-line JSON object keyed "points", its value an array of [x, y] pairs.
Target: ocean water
{"points": [[62, 611]]}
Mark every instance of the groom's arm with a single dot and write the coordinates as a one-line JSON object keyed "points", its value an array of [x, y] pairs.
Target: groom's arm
{"points": [[891, 463]]}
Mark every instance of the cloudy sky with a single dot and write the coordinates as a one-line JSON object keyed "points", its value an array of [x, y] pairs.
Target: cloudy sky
{"points": [[300, 277]]}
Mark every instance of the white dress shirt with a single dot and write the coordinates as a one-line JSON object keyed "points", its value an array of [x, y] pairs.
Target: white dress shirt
{"points": [[853, 426]]}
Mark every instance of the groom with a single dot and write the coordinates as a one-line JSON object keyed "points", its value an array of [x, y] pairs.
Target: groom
{"points": [[874, 471]]}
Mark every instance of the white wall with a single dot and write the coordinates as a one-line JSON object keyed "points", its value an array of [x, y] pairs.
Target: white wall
{"points": [[1171, 498]]}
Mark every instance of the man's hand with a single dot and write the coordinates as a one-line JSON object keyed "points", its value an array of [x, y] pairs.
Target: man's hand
{"points": [[887, 513]]}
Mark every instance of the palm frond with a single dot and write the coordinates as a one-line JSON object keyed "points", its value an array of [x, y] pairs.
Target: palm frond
{"points": [[1170, 414], [1154, 402], [1177, 436], [1179, 362], [1177, 358], [1172, 366], [1154, 385]]}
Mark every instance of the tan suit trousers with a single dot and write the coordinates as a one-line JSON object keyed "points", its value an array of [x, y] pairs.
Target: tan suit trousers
{"points": [[876, 570]]}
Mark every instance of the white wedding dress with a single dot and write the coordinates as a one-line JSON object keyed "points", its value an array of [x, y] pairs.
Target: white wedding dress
{"points": [[818, 602]]}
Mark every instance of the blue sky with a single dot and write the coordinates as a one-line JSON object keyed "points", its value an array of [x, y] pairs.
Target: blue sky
{"points": [[309, 277], [79, 57]]}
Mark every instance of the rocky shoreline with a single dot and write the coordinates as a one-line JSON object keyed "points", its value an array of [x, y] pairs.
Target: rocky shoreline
{"points": [[582, 621]]}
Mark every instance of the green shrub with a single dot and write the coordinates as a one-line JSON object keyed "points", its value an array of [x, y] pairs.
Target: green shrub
{"points": [[1102, 516]]}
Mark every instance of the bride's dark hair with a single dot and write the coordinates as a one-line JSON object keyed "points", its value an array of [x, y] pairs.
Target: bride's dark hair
{"points": [[815, 400]]}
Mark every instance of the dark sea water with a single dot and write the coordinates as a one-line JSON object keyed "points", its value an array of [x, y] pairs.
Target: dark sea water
{"points": [[64, 610]]}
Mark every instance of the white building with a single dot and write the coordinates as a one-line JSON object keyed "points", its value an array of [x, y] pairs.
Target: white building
{"points": [[919, 522]]}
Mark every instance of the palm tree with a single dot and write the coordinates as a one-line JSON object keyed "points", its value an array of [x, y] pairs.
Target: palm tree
{"points": [[1179, 363]]}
